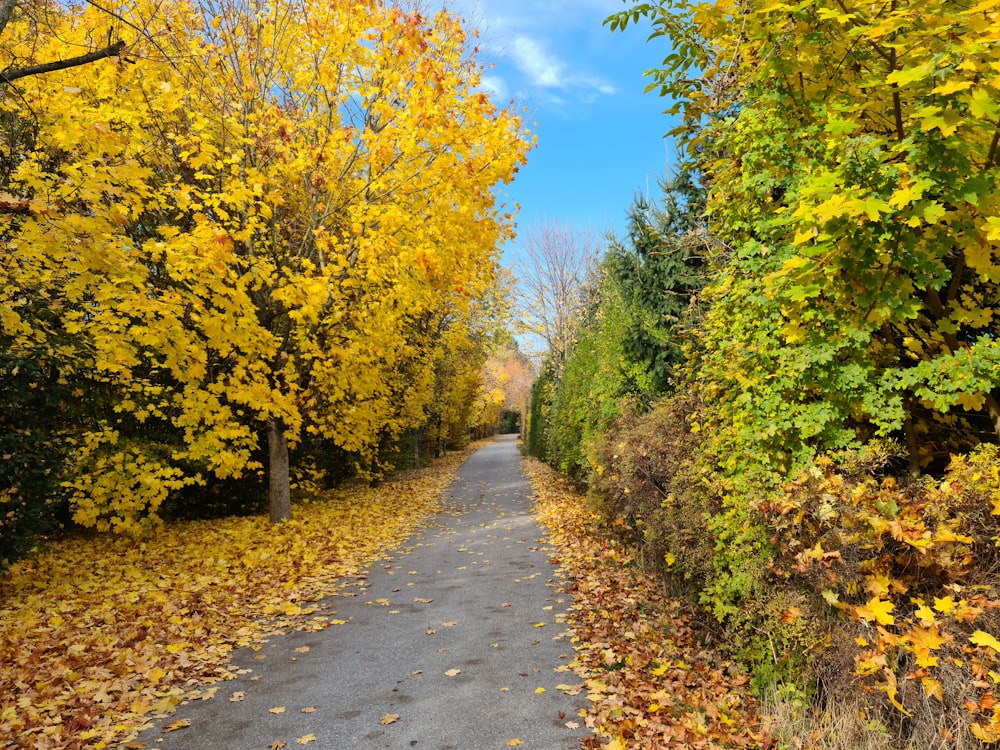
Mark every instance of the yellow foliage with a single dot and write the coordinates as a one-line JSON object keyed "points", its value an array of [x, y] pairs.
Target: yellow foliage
{"points": [[275, 224], [174, 606]]}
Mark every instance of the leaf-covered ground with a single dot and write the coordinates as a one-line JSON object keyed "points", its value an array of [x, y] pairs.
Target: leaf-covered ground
{"points": [[99, 634], [650, 683]]}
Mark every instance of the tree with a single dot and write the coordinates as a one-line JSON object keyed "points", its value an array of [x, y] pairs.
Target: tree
{"points": [[21, 67], [253, 232], [852, 171], [557, 260]]}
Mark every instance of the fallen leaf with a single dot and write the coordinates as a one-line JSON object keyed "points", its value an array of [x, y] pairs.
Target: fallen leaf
{"points": [[302, 649], [388, 719], [982, 638], [452, 672], [175, 725], [278, 745], [539, 690], [571, 725], [421, 600], [431, 631], [237, 696], [514, 742], [539, 624], [449, 624], [276, 710], [306, 739], [308, 710], [791, 614]]}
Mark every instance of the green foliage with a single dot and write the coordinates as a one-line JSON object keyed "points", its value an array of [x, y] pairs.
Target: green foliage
{"points": [[656, 270], [34, 436], [510, 422], [850, 161], [539, 409]]}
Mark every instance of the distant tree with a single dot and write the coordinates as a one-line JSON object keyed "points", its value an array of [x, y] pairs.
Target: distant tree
{"points": [[558, 260]]}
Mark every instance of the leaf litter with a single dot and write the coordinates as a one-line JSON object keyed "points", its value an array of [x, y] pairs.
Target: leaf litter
{"points": [[100, 634], [650, 684]]}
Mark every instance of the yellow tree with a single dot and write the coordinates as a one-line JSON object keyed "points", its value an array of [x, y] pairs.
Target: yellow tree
{"points": [[290, 188]]}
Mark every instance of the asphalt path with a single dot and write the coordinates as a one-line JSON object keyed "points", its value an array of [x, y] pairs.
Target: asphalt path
{"points": [[455, 642]]}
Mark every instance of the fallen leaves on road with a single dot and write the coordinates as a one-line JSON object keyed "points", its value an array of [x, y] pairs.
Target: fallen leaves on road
{"points": [[651, 685], [388, 719], [100, 634]]}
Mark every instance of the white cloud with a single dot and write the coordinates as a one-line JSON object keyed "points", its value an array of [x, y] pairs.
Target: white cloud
{"points": [[541, 68], [496, 87], [547, 71]]}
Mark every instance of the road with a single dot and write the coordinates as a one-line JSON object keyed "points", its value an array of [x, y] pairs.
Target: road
{"points": [[452, 643]]}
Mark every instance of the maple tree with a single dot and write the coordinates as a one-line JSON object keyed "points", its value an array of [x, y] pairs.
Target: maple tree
{"points": [[260, 222]]}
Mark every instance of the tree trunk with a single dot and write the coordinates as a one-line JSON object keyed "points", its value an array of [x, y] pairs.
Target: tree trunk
{"points": [[993, 409], [279, 494]]}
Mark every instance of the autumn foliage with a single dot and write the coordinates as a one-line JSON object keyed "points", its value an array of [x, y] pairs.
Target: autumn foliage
{"points": [[815, 468], [650, 682], [260, 223], [98, 637]]}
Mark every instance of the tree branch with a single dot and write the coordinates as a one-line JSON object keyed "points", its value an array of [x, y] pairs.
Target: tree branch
{"points": [[9, 76]]}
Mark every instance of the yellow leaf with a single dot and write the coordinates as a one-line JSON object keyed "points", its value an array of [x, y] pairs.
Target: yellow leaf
{"points": [[276, 710], [388, 718], [306, 739], [514, 742], [950, 87], [932, 688], [982, 638], [925, 613], [876, 610], [155, 675], [945, 605], [539, 690]]}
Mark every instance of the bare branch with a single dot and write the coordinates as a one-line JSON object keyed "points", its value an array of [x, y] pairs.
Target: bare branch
{"points": [[552, 277]]}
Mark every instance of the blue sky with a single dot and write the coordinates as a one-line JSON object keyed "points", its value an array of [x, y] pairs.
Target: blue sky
{"points": [[600, 138]]}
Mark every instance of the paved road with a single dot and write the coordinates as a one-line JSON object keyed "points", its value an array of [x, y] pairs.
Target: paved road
{"points": [[470, 594]]}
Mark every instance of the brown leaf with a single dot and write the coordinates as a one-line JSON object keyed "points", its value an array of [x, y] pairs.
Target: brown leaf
{"points": [[388, 719]]}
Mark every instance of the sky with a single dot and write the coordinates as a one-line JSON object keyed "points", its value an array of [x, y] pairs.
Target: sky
{"points": [[600, 137]]}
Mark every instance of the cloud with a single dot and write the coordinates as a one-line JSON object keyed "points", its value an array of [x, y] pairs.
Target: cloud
{"points": [[547, 71], [495, 86], [541, 68]]}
